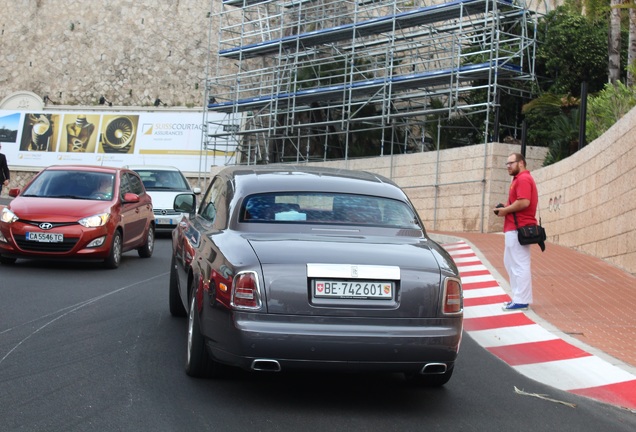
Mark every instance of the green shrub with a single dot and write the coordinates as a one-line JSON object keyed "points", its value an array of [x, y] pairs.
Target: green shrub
{"points": [[607, 107]]}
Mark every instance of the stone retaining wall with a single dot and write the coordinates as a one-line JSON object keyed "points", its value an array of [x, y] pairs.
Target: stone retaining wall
{"points": [[589, 199]]}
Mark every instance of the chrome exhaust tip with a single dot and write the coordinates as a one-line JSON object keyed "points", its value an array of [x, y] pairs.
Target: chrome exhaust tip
{"points": [[265, 365], [434, 369]]}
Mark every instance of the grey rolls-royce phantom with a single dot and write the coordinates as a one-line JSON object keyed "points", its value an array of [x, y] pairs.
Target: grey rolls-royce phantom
{"points": [[286, 267]]}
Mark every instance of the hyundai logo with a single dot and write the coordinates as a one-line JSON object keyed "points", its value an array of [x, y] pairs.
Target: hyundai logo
{"points": [[46, 225]]}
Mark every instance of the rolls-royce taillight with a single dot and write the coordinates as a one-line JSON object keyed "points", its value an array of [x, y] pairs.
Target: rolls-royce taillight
{"points": [[453, 302], [245, 292]]}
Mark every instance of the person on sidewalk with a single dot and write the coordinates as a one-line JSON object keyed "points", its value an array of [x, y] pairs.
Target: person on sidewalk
{"points": [[519, 211], [4, 171]]}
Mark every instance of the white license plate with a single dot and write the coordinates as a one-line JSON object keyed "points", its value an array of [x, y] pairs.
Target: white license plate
{"points": [[45, 237], [164, 222], [353, 289]]}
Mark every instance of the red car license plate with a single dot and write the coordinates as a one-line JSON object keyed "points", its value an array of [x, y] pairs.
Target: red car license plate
{"points": [[43, 237]]}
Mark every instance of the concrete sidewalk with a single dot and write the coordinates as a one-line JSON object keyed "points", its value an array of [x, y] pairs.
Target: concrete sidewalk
{"points": [[578, 335]]}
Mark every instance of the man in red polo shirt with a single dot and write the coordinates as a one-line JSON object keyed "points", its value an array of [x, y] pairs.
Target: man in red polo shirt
{"points": [[522, 203]]}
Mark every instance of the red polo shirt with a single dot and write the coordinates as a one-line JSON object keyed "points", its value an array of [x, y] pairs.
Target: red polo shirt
{"points": [[522, 187]]}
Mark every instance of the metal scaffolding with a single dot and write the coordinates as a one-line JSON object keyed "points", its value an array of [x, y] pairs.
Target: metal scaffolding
{"points": [[310, 80]]}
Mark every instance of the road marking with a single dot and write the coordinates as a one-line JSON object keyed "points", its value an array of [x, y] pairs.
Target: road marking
{"points": [[528, 347]]}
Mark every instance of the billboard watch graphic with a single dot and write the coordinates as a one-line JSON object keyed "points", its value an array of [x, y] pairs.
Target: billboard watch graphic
{"points": [[40, 139], [79, 134]]}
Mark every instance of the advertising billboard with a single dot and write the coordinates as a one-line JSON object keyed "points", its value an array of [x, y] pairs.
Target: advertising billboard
{"points": [[40, 139]]}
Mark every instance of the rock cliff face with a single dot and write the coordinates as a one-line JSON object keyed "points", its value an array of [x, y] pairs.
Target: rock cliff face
{"points": [[129, 52]]}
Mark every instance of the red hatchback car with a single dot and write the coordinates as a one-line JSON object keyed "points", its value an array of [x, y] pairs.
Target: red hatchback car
{"points": [[78, 212]]}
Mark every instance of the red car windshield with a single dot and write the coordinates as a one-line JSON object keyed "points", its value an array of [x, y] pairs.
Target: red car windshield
{"points": [[71, 184]]}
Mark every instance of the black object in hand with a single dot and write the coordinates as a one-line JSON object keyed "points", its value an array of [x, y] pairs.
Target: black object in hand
{"points": [[500, 205]]}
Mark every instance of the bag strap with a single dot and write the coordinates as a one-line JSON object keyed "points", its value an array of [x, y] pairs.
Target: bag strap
{"points": [[514, 215]]}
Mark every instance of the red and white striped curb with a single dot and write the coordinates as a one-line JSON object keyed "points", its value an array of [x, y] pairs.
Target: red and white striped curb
{"points": [[527, 346]]}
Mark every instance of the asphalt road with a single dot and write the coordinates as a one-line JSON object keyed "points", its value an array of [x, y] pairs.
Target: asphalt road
{"points": [[88, 349]]}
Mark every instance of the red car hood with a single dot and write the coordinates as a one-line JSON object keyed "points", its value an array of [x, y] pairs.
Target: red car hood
{"points": [[56, 209]]}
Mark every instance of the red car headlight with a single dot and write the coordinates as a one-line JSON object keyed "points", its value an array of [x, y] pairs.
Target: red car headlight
{"points": [[95, 220], [8, 216]]}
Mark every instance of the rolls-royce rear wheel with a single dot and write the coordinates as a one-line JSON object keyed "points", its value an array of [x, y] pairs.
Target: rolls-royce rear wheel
{"points": [[199, 363]]}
